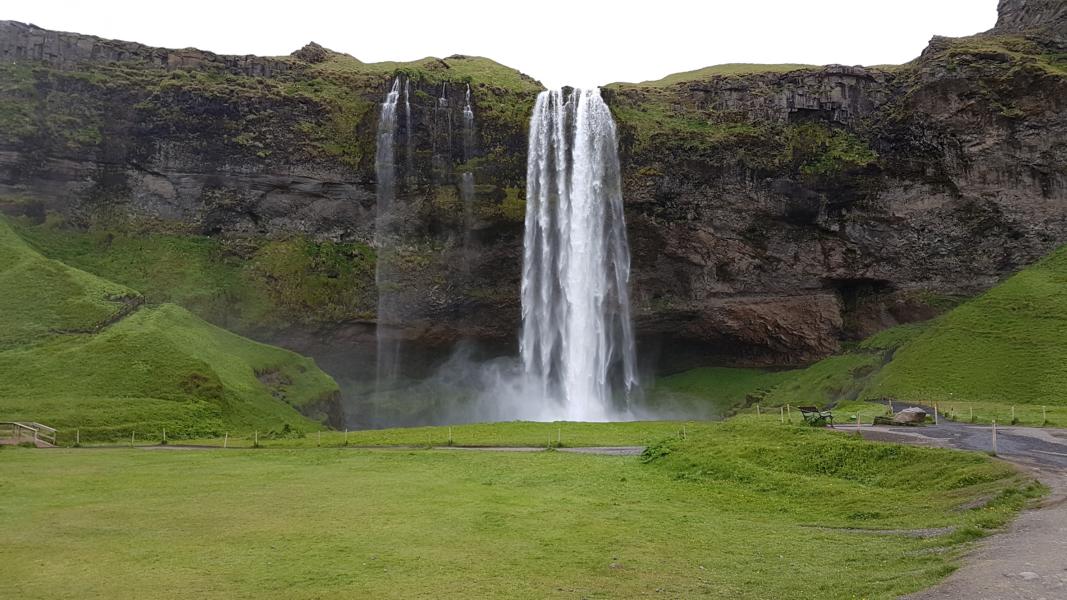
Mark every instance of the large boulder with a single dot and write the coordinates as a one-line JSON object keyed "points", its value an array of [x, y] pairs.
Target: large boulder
{"points": [[910, 416]]}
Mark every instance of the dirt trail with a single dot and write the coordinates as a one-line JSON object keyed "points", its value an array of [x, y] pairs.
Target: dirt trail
{"points": [[1028, 560]]}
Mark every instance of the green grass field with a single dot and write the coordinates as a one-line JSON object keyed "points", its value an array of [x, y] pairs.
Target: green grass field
{"points": [[513, 434], [738, 510], [80, 352]]}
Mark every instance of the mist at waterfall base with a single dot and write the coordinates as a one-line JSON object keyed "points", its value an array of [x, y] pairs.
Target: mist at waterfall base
{"points": [[577, 356]]}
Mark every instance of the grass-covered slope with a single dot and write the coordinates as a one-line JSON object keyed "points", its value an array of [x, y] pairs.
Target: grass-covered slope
{"points": [[736, 511], [78, 351], [39, 296], [1006, 348], [242, 285], [1009, 345], [713, 391]]}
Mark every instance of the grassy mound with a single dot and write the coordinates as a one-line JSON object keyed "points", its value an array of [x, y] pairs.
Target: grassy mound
{"points": [[735, 511], [1003, 349], [798, 469], [79, 351], [39, 296]]}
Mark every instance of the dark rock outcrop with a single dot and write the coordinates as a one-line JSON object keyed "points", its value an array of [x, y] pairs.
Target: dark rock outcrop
{"points": [[1043, 18]]}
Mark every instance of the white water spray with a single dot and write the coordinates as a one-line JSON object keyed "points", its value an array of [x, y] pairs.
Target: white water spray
{"points": [[577, 335]]}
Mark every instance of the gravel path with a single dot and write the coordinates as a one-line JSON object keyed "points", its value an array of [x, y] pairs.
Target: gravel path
{"points": [[1027, 561]]}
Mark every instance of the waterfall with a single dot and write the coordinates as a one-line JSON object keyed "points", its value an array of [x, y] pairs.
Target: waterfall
{"points": [[577, 339], [388, 355], [466, 183], [468, 127], [408, 133]]}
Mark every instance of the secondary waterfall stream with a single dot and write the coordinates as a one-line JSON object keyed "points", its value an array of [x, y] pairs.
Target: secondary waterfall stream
{"points": [[577, 335]]}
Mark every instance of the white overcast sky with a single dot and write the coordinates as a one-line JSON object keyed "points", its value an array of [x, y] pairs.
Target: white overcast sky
{"points": [[570, 42]]}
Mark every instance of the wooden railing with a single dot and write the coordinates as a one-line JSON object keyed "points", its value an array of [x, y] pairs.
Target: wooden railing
{"points": [[28, 431]]}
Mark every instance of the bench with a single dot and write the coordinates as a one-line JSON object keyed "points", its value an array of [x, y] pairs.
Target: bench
{"points": [[816, 417]]}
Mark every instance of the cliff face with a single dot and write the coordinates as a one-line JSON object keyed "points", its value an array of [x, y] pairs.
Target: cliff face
{"points": [[773, 213], [1046, 19], [781, 212]]}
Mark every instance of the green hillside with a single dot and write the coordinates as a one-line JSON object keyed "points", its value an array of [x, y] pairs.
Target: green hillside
{"points": [[1008, 345], [77, 351], [1003, 349]]}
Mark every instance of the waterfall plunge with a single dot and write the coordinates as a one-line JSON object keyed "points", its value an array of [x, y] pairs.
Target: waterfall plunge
{"points": [[577, 336]]}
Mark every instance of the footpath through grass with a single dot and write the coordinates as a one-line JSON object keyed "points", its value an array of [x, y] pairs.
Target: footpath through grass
{"points": [[737, 510]]}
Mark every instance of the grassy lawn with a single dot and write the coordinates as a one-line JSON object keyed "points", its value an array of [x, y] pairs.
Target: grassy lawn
{"points": [[736, 510], [513, 434]]}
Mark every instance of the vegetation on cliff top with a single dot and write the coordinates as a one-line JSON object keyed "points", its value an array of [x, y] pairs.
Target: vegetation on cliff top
{"points": [[80, 351], [717, 70]]}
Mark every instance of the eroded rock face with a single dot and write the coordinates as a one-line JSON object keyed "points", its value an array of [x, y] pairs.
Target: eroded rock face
{"points": [[1047, 18], [771, 215]]}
